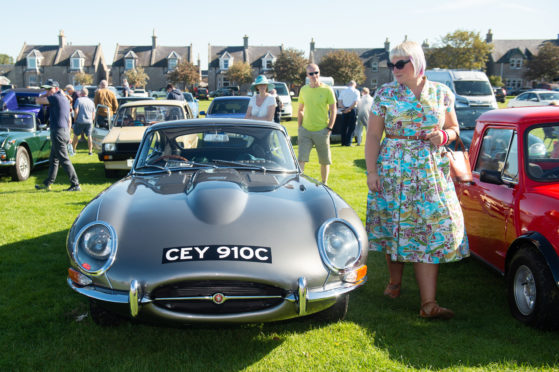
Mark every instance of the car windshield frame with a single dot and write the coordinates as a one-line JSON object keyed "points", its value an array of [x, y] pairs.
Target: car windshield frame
{"points": [[17, 121], [146, 115], [244, 148]]}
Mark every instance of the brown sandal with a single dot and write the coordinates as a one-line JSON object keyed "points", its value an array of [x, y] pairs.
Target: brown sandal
{"points": [[436, 312], [393, 290]]}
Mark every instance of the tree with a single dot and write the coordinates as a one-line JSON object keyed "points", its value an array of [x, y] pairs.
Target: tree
{"points": [[496, 81], [461, 49], [186, 74], [6, 59], [81, 78], [240, 73], [137, 77], [290, 67], [545, 65], [343, 66]]}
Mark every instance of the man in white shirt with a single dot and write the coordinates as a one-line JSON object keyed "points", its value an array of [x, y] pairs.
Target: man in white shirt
{"points": [[348, 100], [363, 108]]}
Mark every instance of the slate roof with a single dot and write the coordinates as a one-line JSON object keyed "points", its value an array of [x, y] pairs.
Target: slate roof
{"points": [[367, 55], [253, 54], [148, 57], [55, 56], [502, 49]]}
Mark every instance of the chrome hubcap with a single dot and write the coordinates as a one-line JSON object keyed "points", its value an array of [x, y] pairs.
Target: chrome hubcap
{"points": [[524, 290], [23, 165]]}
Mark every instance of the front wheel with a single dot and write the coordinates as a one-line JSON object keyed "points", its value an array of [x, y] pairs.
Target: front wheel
{"points": [[533, 295], [22, 169]]}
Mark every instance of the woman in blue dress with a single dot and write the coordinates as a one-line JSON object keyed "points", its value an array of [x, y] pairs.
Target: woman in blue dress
{"points": [[413, 213]]}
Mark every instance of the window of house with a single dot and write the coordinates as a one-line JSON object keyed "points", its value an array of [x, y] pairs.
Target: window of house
{"points": [[374, 83], [513, 83], [172, 63], [129, 64], [515, 63], [76, 63], [32, 80], [374, 66], [268, 61], [32, 63], [225, 61]]}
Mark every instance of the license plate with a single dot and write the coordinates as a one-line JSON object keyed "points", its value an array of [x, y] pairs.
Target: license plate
{"points": [[217, 253], [129, 163]]}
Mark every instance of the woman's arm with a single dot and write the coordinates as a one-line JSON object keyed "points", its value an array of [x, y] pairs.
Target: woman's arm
{"points": [[375, 128], [271, 111]]}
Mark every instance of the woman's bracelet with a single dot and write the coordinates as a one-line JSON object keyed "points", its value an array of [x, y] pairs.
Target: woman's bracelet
{"points": [[445, 137]]}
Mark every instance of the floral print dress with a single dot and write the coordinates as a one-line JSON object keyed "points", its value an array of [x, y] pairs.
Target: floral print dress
{"points": [[416, 217]]}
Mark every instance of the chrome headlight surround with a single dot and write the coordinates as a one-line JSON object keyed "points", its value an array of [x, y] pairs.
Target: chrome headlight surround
{"points": [[109, 147], [338, 244], [95, 247]]}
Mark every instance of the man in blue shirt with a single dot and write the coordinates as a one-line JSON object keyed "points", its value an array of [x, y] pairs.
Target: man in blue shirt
{"points": [[59, 119], [174, 93]]}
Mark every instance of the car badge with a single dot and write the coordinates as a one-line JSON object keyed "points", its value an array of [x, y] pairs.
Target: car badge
{"points": [[218, 298]]}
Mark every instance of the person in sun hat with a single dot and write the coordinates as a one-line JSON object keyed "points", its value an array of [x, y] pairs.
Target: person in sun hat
{"points": [[60, 122], [262, 105]]}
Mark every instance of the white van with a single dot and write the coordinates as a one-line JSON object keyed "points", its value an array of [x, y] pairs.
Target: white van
{"points": [[471, 88], [285, 95]]}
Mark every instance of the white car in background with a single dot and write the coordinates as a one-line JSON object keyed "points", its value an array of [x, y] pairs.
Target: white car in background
{"points": [[285, 95], [139, 92], [540, 97]]}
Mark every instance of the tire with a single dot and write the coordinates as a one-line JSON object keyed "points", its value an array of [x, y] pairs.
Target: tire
{"points": [[336, 312], [22, 169], [102, 316], [532, 293]]}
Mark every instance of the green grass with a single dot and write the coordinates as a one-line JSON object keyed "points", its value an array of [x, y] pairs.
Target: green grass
{"points": [[39, 327]]}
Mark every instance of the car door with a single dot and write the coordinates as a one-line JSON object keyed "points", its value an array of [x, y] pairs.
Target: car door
{"points": [[100, 130], [488, 208]]}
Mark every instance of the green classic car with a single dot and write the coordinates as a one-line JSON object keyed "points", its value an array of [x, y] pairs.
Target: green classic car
{"points": [[24, 143]]}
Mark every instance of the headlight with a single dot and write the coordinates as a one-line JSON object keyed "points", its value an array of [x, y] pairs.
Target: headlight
{"points": [[338, 244], [95, 248], [461, 102], [109, 147]]}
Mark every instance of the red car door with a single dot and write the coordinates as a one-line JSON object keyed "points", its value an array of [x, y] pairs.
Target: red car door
{"points": [[488, 207]]}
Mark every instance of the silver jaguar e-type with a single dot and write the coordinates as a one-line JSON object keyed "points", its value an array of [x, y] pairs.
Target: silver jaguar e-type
{"points": [[216, 223]]}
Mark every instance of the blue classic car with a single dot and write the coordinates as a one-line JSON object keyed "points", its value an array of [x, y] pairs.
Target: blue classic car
{"points": [[23, 99], [228, 107], [192, 102]]}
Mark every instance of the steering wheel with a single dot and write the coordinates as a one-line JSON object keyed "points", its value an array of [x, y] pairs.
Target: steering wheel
{"points": [[551, 173], [168, 157]]}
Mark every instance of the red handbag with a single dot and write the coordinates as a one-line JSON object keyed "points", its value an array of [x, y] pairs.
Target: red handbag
{"points": [[460, 169]]}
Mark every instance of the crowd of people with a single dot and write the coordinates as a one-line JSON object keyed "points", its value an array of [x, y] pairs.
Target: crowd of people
{"points": [[413, 213]]}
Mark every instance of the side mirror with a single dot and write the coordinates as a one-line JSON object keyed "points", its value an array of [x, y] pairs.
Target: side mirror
{"points": [[490, 176], [202, 113]]}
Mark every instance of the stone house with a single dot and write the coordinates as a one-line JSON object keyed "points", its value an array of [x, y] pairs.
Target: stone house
{"points": [[260, 58], [35, 64], [508, 60], [374, 60], [156, 60]]}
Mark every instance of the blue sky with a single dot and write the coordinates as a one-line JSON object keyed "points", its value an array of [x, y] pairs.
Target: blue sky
{"points": [[337, 24]]}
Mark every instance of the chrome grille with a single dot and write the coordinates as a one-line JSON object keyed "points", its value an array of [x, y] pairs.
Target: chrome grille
{"points": [[197, 297]]}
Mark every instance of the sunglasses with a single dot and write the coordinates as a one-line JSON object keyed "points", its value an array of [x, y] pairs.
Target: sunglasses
{"points": [[313, 73], [399, 65]]}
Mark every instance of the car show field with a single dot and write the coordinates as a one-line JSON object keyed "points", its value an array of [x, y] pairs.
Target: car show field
{"points": [[46, 326]]}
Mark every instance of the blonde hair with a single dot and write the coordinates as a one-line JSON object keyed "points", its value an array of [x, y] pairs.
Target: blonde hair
{"points": [[414, 51]]}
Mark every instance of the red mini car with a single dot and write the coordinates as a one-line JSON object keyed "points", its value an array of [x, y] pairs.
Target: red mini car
{"points": [[511, 208]]}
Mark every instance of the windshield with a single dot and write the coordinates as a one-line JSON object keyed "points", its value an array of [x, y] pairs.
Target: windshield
{"points": [[549, 96], [141, 116], [13, 121], [472, 88], [188, 97], [281, 89], [239, 147], [228, 106], [467, 116], [542, 149]]}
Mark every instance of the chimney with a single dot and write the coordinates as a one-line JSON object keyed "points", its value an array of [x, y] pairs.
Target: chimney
{"points": [[245, 41], [425, 44], [489, 37], [61, 39], [387, 45], [153, 40], [312, 44]]}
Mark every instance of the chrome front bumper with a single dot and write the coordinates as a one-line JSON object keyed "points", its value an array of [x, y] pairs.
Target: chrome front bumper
{"points": [[305, 300]]}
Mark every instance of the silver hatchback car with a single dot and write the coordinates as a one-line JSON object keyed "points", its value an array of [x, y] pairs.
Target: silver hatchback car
{"points": [[216, 223]]}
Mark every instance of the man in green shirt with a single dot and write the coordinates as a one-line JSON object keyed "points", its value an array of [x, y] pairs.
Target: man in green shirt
{"points": [[316, 117]]}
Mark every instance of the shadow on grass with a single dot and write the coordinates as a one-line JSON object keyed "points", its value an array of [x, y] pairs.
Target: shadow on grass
{"points": [[482, 333], [360, 163]]}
